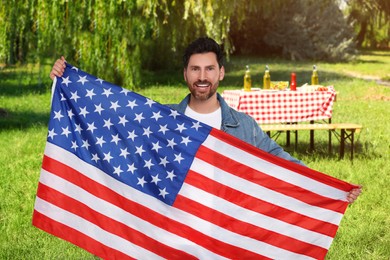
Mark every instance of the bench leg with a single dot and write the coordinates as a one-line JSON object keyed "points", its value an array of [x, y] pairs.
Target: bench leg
{"points": [[330, 138], [352, 144], [311, 138], [287, 138], [342, 143]]}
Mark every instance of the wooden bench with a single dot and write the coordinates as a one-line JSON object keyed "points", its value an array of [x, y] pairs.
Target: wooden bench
{"points": [[347, 133]]}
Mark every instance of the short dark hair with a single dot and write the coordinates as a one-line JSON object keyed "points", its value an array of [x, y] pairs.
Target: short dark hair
{"points": [[203, 45]]}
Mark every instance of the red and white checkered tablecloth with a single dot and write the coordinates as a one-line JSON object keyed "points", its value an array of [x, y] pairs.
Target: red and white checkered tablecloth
{"points": [[268, 107]]}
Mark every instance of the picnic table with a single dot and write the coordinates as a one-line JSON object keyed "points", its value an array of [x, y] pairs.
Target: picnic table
{"points": [[282, 110]]}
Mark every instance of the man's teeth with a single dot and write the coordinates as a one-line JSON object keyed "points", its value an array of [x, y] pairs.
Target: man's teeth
{"points": [[203, 85]]}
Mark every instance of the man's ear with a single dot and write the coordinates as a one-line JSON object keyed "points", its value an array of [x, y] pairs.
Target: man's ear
{"points": [[185, 74], [221, 73]]}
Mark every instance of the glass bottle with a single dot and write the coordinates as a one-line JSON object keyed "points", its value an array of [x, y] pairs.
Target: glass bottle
{"points": [[293, 82], [266, 78], [314, 76], [247, 79]]}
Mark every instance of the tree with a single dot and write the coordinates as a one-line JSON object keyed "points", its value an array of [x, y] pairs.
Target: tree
{"points": [[371, 20], [298, 29]]}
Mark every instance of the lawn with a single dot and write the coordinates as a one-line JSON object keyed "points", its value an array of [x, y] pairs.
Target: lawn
{"points": [[364, 232]]}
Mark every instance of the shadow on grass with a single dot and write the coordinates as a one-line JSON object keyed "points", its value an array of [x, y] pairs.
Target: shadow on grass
{"points": [[22, 120], [18, 83], [321, 150]]}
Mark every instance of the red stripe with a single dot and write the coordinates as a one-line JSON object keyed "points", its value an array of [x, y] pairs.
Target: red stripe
{"points": [[263, 207], [79, 239], [252, 175], [244, 228], [112, 226], [138, 210], [305, 171]]}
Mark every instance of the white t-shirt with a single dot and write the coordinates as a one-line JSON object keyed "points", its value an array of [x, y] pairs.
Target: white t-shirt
{"points": [[213, 119]]}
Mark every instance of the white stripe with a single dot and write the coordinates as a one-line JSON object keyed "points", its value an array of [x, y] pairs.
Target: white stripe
{"points": [[265, 194], [256, 219], [157, 233], [274, 170], [197, 223], [95, 232]]}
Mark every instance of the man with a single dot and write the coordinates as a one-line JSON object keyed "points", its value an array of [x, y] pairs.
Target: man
{"points": [[203, 69]]}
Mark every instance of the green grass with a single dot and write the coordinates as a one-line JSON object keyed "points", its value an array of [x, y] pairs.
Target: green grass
{"points": [[364, 232]]}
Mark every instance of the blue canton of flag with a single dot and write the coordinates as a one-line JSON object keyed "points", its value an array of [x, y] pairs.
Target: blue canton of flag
{"points": [[132, 138]]}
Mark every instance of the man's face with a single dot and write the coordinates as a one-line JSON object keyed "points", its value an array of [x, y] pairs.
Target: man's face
{"points": [[203, 75]]}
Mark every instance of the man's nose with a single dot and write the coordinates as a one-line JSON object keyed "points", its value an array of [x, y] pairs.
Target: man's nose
{"points": [[202, 75]]}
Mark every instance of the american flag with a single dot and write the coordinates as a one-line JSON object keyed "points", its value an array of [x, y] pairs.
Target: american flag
{"points": [[126, 177]]}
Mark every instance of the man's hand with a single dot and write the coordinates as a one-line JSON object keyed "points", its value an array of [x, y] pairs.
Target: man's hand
{"points": [[353, 194], [58, 68]]}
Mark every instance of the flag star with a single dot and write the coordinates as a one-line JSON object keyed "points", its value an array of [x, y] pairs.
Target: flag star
{"points": [[163, 161], [178, 158], [131, 168], [171, 143], [74, 68], [139, 150], [83, 111], [132, 104], [115, 105], [82, 79], [90, 93], [58, 115], [70, 113], [196, 125], [170, 175], [107, 157], [138, 117], [85, 144], [149, 102], [100, 141], [100, 80], [156, 146], [156, 115], [155, 179], [185, 140], [99, 109], [181, 128], [125, 91], [107, 123], [115, 139], [51, 134], [117, 170], [91, 127], [66, 81], [95, 157], [74, 145], [124, 152], [123, 120], [163, 192], [174, 113], [132, 135], [78, 128], [65, 131], [107, 92], [163, 129], [141, 181], [147, 132], [62, 97], [148, 164], [74, 96]]}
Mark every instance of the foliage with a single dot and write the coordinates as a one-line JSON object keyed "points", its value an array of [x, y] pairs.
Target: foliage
{"points": [[298, 29], [107, 38], [371, 20]]}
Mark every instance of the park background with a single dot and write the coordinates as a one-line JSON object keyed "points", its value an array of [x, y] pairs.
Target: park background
{"points": [[138, 45]]}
